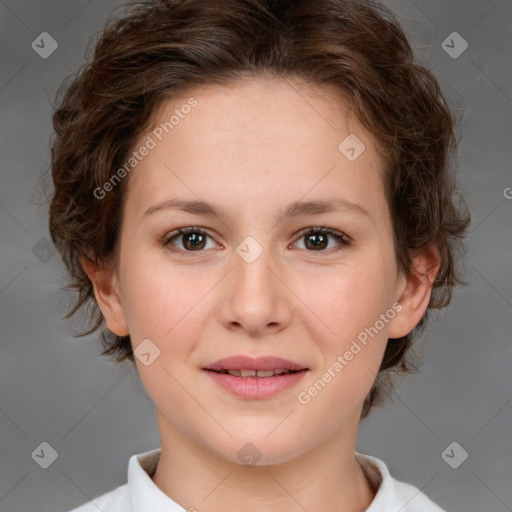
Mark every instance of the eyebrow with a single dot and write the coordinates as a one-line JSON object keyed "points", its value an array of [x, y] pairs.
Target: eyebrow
{"points": [[294, 209]]}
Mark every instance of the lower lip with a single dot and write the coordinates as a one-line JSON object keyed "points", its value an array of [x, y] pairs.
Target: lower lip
{"points": [[256, 387]]}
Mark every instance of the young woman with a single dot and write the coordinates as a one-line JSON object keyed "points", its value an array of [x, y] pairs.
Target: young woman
{"points": [[255, 197]]}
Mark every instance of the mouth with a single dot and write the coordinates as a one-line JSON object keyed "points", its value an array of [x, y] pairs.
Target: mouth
{"points": [[257, 378], [262, 374], [244, 365]]}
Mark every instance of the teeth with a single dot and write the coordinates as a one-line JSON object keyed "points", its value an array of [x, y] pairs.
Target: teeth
{"points": [[247, 373], [254, 373], [265, 373]]}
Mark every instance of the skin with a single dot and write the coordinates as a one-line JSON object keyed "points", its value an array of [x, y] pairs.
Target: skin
{"points": [[251, 148]]}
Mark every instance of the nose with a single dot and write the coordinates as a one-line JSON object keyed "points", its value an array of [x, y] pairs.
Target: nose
{"points": [[254, 296]]}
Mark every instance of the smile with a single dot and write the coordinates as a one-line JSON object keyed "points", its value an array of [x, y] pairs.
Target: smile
{"points": [[256, 384], [255, 373]]}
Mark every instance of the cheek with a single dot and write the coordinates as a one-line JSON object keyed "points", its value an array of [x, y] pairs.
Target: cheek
{"points": [[158, 300], [352, 300], [352, 355], [167, 310]]}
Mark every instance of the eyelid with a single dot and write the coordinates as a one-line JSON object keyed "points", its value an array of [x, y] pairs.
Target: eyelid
{"points": [[327, 230]]}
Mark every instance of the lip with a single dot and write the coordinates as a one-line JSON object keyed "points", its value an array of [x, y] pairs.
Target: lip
{"points": [[256, 387], [241, 362]]}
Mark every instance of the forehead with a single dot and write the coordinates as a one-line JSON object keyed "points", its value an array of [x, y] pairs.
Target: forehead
{"points": [[258, 110], [269, 140]]}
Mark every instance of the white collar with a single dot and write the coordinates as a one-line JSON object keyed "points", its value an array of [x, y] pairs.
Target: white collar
{"points": [[391, 494], [144, 493]]}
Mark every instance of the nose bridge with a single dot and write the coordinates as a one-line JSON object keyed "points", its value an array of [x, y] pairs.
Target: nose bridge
{"points": [[253, 260], [254, 297]]}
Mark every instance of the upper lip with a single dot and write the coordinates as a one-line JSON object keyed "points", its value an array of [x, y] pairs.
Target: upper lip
{"points": [[259, 363]]}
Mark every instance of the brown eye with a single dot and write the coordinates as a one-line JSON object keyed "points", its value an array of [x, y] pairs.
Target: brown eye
{"points": [[192, 239], [317, 239], [195, 240]]}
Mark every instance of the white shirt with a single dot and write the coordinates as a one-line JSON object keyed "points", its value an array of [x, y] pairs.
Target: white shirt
{"points": [[140, 494]]}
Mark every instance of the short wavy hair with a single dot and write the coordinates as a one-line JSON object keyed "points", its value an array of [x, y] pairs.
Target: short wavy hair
{"points": [[157, 49]]}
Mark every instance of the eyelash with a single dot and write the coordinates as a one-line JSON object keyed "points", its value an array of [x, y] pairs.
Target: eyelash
{"points": [[343, 239]]}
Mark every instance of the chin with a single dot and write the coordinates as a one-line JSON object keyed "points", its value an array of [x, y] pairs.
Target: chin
{"points": [[256, 449]]}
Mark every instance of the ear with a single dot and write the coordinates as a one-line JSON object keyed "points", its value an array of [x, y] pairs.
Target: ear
{"points": [[413, 293], [106, 291]]}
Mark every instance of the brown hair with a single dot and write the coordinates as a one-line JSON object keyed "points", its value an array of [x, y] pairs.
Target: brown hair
{"points": [[159, 48]]}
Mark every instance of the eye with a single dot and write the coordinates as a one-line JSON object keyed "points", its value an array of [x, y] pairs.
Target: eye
{"points": [[192, 238], [317, 238]]}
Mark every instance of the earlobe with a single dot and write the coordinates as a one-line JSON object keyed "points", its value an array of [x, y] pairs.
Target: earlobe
{"points": [[415, 292], [106, 291]]}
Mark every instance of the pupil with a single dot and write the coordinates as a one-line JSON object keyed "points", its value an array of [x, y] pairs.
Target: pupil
{"points": [[314, 236], [195, 239]]}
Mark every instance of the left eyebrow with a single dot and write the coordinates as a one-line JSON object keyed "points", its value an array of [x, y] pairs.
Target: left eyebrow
{"points": [[294, 209], [298, 208]]}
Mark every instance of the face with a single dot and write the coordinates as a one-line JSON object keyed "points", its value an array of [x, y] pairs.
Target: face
{"points": [[248, 279]]}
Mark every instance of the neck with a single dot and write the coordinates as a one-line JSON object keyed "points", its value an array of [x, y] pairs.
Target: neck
{"points": [[325, 477]]}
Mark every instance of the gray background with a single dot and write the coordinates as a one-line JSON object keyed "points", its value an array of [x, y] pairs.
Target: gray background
{"points": [[56, 389]]}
